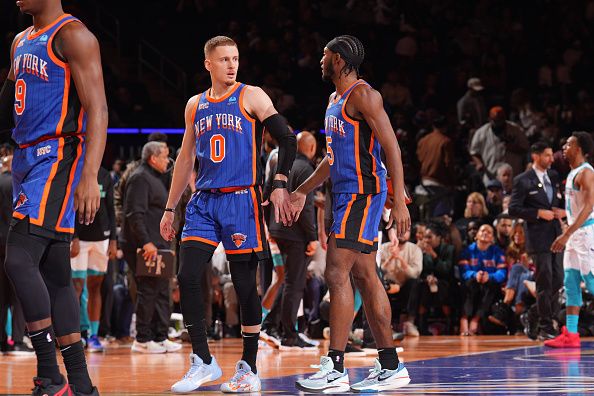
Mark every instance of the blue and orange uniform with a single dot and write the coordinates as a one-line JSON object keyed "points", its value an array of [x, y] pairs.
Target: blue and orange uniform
{"points": [[227, 204], [358, 176], [49, 129]]}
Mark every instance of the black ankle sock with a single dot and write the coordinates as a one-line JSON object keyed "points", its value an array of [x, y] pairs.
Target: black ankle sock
{"points": [[197, 334], [337, 359], [45, 349], [76, 367], [250, 349], [388, 358]]}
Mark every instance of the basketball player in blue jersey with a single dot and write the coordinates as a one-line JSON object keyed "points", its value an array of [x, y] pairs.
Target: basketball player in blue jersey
{"points": [[357, 129], [578, 237], [54, 101], [224, 128]]}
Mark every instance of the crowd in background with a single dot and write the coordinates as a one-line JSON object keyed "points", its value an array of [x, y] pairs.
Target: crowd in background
{"points": [[469, 87]]}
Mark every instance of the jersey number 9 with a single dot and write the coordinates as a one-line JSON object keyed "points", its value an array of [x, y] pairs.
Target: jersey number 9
{"points": [[20, 94]]}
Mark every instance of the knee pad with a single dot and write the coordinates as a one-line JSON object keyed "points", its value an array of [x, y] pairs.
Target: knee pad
{"points": [[573, 279]]}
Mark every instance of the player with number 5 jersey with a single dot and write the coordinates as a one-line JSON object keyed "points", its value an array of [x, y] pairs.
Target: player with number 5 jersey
{"points": [[224, 127]]}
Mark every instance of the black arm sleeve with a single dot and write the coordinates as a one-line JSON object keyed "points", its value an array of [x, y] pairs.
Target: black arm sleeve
{"points": [[6, 106], [276, 124]]}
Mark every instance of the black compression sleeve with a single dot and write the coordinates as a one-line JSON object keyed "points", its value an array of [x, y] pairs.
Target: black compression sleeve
{"points": [[276, 124], [6, 106]]}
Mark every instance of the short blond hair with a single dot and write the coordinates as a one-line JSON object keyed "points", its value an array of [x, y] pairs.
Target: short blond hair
{"points": [[217, 41]]}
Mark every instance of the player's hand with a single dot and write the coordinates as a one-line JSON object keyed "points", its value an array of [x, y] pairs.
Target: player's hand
{"points": [[485, 277], [311, 248], [74, 247], [166, 227], [282, 206], [559, 243], [297, 203], [112, 250], [559, 213], [399, 218], [150, 251], [87, 198], [479, 276]]}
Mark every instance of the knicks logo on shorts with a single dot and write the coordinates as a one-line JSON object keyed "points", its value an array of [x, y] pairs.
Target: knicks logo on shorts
{"points": [[238, 239], [21, 201]]}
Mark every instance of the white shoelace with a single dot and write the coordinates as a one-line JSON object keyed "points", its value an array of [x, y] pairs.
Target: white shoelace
{"points": [[194, 370]]}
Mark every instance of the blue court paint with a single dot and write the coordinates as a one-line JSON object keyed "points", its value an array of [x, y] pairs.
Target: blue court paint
{"points": [[526, 371]]}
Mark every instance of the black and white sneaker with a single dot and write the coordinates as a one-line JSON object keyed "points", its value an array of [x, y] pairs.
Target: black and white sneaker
{"points": [[20, 349], [296, 344], [326, 380], [271, 336]]}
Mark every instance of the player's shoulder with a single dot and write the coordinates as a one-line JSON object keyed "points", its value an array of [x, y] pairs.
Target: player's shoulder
{"points": [[253, 90], [76, 32], [193, 101], [366, 93]]}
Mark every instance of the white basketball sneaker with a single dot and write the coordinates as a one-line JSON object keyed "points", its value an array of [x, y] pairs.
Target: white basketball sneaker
{"points": [[244, 380], [380, 379], [198, 374], [326, 380]]}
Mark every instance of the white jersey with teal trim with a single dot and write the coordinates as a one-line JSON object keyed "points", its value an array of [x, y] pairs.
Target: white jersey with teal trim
{"points": [[579, 251], [574, 198]]}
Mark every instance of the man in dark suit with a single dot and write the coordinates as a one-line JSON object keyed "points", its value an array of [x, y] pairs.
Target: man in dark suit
{"points": [[296, 243], [536, 198]]}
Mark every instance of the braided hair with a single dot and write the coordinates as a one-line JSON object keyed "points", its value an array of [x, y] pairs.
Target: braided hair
{"points": [[351, 50]]}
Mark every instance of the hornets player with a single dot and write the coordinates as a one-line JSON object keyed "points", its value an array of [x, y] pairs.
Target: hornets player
{"points": [[224, 126], [55, 95], [357, 128], [578, 238]]}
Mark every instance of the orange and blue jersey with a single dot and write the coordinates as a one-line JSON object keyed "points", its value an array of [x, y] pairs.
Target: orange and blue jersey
{"points": [[228, 141], [46, 102], [227, 204], [491, 260], [352, 150], [49, 130]]}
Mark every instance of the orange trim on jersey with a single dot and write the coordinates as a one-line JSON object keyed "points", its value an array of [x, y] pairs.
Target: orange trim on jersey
{"points": [[48, 184], [198, 239], [336, 97], [194, 108], [18, 215], [81, 117], [373, 166], [237, 84], [253, 122], [50, 50], [64, 101], [79, 150], [364, 221], [345, 218], [257, 219], [355, 125], [48, 27], [18, 39]]}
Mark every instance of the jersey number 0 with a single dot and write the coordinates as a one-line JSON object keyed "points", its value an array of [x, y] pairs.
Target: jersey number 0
{"points": [[217, 148]]}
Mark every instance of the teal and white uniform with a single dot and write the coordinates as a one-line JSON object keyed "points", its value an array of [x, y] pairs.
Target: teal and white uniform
{"points": [[579, 251]]}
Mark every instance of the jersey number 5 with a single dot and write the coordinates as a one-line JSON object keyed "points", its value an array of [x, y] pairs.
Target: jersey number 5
{"points": [[20, 94], [330, 153], [217, 148]]}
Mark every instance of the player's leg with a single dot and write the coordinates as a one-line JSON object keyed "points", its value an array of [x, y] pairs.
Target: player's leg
{"points": [[194, 259], [569, 337], [24, 252], [55, 269], [277, 282], [97, 267]]}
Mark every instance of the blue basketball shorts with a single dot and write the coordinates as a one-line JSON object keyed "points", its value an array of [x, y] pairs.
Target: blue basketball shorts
{"points": [[356, 220], [233, 218], [44, 178]]}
